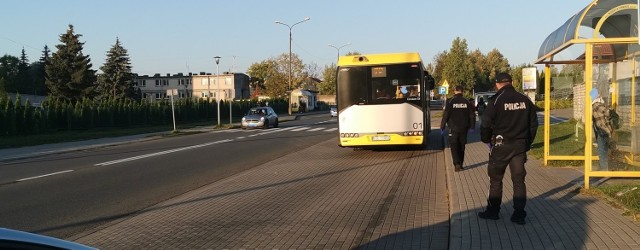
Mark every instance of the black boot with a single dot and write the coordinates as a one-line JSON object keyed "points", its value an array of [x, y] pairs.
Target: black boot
{"points": [[493, 210], [518, 217], [458, 167], [490, 214]]}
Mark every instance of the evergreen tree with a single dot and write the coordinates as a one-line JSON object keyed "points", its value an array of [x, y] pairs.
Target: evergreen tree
{"points": [[9, 72], [458, 68], [24, 78], [38, 73], [116, 80], [69, 75]]}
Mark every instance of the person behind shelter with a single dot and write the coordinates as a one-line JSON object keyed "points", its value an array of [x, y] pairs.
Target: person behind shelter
{"points": [[509, 125], [480, 108], [602, 128], [459, 117]]}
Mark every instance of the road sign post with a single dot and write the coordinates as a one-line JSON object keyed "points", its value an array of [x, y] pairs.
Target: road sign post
{"points": [[171, 93]]}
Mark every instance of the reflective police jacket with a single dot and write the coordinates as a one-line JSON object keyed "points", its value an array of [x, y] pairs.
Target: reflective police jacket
{"points": [[458, 114], [512, 115]]}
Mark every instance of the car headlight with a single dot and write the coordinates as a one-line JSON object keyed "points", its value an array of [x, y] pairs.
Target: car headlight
{"points": [[244, 118], [262, 119]]}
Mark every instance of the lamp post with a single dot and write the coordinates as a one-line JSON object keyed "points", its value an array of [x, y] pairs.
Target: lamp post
{"points": [[217, 58], [290, 60], [338, 48]]}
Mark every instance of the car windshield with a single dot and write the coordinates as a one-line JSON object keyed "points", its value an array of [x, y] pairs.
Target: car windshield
{"points": [[257, 112]]}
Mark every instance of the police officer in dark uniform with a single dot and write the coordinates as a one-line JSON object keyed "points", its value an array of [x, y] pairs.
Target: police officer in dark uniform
{"points": [[459, 116], [509, 125]]}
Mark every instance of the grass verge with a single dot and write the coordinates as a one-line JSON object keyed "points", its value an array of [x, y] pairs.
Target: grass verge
{"points": [[625, 197]]}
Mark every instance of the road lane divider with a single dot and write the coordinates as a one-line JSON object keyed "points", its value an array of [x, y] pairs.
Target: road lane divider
{"points": [[160, 153], [44, 175], [274, 130]]}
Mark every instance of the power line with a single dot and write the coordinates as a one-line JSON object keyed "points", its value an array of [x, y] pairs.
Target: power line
{"points": [[19, 43]]}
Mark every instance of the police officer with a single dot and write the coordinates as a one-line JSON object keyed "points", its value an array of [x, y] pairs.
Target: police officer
{"points": [[459, 116], [509, 125]]}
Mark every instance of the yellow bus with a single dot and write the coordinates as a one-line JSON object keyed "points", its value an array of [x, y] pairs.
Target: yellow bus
{"points": [[383, 100]]}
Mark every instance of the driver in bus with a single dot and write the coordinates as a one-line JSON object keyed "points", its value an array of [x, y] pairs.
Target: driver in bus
{"points": [[382, 93]]}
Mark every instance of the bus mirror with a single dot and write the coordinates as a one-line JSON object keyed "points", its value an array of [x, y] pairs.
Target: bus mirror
{"points": [[429, 81]]}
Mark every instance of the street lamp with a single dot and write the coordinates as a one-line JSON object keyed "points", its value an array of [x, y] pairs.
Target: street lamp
{"points": [[290, 60], [217, 58], [338, 48]]}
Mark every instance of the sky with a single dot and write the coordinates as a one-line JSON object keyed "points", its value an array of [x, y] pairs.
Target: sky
{"points": [[184, 36]]}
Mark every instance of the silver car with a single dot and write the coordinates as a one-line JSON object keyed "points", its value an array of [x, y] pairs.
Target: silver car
{"points": [[334, 112], [14, 239], [260, 117]]}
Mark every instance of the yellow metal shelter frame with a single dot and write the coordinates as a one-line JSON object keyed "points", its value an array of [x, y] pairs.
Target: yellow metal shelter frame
{"points": [[596, 15]]}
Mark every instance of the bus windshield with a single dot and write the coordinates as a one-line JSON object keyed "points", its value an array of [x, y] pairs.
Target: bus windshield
{"points": [[385, 84]]}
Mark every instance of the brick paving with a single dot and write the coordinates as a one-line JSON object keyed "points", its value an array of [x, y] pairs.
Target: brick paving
{"points": [[319, 198], [559, 217]]}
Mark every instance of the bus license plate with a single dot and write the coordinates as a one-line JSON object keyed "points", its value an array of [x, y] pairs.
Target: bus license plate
{"points": [[381, 138]]}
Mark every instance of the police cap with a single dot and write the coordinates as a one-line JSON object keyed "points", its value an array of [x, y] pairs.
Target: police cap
{"points": [[503, 78]]}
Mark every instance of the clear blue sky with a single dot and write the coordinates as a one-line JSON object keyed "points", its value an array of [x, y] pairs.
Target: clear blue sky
{"points": [[184, 36]]}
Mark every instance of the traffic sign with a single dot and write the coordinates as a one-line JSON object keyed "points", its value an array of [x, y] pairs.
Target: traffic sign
{"points": [[443, 90]]}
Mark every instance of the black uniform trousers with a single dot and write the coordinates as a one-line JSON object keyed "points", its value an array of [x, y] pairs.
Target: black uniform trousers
{"points": [[514, 155], [457, 143]]}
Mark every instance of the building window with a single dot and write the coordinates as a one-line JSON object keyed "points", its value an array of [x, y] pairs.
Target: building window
{"points": [[165, 82], [227, 81], [157, 95], [157, 82], [144, 83]]}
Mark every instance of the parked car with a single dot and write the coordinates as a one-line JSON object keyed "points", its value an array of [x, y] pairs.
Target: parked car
{"points": [[333, 112], [260, 117], [485, 97], [14, 239]]}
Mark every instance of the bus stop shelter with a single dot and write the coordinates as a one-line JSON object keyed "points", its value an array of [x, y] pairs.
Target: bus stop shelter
{"points": [[602, 40]]}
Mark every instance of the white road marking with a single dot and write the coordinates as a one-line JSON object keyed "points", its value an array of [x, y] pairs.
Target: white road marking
{"points": [[331, 129], [300, 129], [160, 153], [44, 175], [240, 138], [315, 129]]}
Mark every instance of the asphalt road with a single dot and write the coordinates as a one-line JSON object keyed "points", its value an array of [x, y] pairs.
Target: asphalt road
{"points": [[65, 194]]}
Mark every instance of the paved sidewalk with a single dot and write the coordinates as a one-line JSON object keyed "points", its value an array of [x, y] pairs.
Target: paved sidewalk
{"points": [[559, 217]]}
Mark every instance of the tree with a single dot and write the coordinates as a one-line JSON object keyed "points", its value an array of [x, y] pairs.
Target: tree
{"points": [[261, 73], [9, 68], [481, 72], [69, 75], [24, 84], [437, 72], [298, 72], [496, 63], [116, 80], [37, 72], [328, 84], [458, 69]]}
